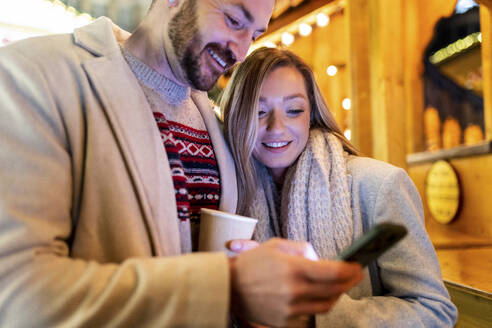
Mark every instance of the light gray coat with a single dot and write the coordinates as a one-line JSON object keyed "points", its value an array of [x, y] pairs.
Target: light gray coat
{"points": [[406, 288]]}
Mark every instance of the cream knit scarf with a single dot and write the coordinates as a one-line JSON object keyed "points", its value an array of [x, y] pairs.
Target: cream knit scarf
{"points": [[315, 199]]}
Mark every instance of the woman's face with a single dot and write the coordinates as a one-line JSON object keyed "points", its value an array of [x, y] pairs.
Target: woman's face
{"points": [[283, 115]]}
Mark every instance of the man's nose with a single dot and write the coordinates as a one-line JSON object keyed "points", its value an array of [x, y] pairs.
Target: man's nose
{"points": [[240, 45]]}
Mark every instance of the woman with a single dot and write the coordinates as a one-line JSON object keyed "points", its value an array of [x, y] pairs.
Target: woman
{"points": [[304, 181]]}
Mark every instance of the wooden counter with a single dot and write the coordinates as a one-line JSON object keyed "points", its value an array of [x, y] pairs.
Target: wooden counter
{"points": [[470, 267], [467, 274]]}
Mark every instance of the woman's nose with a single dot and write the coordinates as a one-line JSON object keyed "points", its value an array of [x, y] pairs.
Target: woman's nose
{"points": [[275, 122]]}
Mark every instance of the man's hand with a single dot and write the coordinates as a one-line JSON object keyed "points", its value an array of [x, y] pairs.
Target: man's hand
{"points": [[274, 284]]}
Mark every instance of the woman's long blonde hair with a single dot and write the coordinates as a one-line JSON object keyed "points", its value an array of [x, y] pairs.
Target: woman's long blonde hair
{"points": [[239, 104]]}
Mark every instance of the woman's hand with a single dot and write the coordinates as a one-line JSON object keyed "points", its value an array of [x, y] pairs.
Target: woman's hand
{"points": [[300, 249]]}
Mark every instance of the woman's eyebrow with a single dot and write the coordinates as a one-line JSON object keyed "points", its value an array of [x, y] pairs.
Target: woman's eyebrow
{"points": [[295, 95]]}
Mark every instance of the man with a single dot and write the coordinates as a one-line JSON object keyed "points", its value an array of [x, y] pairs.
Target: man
{"points": [[96, 204]]}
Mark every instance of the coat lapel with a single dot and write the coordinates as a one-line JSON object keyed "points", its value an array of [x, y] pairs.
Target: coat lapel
{"points": [[228, 183], [133, 126]]}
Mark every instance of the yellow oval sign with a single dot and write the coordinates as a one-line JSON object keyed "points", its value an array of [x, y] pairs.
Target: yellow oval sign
{"points": [[442, 192]]}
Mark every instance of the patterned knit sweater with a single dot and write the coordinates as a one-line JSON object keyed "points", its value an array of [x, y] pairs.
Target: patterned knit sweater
{"points": [[188, 146]]}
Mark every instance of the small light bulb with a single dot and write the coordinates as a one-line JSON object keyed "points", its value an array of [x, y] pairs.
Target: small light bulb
{"points": [[322, 19], [217, 110], [332, 70], [305, 29], [346, 103], [287, 38], [348, 134]]}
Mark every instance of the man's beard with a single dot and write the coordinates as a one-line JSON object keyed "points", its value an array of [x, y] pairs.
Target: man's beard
{"points": [[186, 41]]}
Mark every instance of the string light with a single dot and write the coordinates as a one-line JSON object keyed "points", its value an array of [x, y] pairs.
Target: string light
{"points": [[287, 38], [303, 26], [348, 134], [455, 48], [305, 29], [217, 110], [322, 19], [346, 103], [332, 70]]}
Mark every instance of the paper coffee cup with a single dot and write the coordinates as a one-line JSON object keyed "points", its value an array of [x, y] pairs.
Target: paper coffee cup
{"points": [[217, 228]]}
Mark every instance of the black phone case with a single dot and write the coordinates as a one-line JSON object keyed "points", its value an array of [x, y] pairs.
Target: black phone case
{"points": [[373, 243]]}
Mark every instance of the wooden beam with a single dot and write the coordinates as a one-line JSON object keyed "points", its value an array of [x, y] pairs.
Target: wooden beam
{"points": [[294, 14], [387, 92], [487, 3], [486, 27], [358, 27], [413, 68]]}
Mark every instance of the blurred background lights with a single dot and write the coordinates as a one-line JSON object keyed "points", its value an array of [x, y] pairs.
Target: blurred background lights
{"points": [[270, 44], [305, 29], [456, 47], [346, 103], [41, 15], [332, 70], [463, 6], [322, 19], [348, 134], [217, 110], [287, 38]]}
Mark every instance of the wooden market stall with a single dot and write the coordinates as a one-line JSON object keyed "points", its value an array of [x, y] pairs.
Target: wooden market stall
{"points": [[378, 49]]}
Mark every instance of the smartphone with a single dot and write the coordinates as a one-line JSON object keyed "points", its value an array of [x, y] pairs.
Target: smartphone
{"points": [[373, 243]]}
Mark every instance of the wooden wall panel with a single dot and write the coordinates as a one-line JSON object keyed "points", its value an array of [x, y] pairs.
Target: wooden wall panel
{"points": [[358, 31], [328, 46], [473, 223], [387, 93], [486, 27]]}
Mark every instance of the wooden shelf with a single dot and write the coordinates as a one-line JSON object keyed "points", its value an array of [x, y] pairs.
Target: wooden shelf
{"points": [[456, 152]]}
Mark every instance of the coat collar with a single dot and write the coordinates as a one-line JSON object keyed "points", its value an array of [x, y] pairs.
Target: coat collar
{"points": [[130, 119], [97, 37]]}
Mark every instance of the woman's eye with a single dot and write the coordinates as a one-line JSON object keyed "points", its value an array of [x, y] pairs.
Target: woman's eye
{"points": [[261, 113], [295, 111]]}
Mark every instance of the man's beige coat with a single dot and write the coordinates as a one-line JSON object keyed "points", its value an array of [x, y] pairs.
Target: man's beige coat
{"points": [[88, 225]]}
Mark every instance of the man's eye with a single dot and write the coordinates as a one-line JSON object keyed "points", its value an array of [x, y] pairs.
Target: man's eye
{"points": [[233, 23]]}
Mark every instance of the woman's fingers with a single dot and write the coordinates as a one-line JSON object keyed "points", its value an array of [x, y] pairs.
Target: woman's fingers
{"points": [[242, 245]]}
